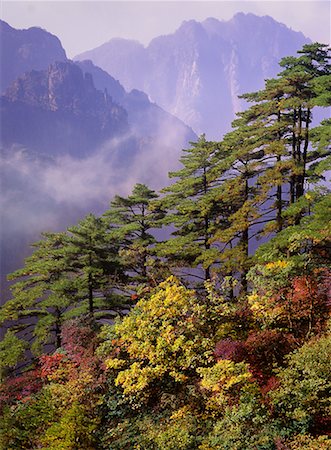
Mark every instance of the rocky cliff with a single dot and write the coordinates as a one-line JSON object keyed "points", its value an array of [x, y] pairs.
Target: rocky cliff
{"points": [[25, 50], [146, 119], [198, 72], [58, 111]]}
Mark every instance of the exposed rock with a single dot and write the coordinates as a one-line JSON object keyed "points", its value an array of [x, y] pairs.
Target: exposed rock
{"points": [[59, 111], [197, 72], [25, 50], [145, 118]]}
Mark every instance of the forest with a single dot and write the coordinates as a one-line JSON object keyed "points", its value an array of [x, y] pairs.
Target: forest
{"points": [[197, 317]]}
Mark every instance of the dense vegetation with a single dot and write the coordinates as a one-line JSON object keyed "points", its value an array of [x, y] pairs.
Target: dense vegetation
{"points": [[216, 338]]}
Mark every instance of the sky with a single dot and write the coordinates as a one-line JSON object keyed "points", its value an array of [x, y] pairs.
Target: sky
{"points": [[84, 25]]}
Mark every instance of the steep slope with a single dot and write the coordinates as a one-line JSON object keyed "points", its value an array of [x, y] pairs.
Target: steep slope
{"points": [[146, 119], [58, 111], [198, 72], [25, 50]]}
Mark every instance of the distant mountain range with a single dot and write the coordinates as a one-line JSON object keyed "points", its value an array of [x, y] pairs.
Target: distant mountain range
{"points": [[54, 106], [198, 72], [73, 134]]}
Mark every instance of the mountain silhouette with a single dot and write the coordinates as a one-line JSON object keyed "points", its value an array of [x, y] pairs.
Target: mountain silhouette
{"points": [[198, 72]]}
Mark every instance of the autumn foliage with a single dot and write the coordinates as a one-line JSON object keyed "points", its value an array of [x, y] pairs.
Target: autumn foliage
{"points": [[118, 341]]}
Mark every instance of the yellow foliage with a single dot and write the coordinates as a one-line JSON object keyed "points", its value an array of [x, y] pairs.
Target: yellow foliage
{"points": [[180, 413], [115, 363], [164, 334], [277, 265], [265, 308], [307, 442], [224, 380], [224, 375]]}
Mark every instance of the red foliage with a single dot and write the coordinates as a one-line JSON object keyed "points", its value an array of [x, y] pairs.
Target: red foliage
{"points": [[79, 341], [271, 385], [243, 319], [229, 349], [20, 387], [57, 367], [321, 425], [280, 444], [307, 302], [50, 363], [265, 349]]}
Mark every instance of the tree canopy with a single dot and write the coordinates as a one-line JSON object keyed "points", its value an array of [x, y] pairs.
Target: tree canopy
{"points": [[217, 337]]}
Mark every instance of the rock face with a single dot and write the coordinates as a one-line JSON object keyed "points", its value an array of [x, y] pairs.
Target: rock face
{"points": [[62, 110], [58, 111], [25, 50], [146, 119], [197, 73]]}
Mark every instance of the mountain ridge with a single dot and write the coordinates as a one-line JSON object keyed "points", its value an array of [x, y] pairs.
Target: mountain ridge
{"points": [[143, 114], [74, 115], [197, 72], [26, 49]]}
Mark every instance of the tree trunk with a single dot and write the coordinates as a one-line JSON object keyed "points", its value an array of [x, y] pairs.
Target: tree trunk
{"points": [[279, 201], [90, 295], [294, 159], [245, 240], [58, 332], [302, 177], [206, 224], [298, 191]]}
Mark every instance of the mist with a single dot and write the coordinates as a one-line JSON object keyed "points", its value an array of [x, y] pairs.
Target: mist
{"points": [[49, 193]]}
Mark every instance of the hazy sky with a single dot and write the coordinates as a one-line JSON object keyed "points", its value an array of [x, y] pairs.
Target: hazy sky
{"points": [[83, 25]]}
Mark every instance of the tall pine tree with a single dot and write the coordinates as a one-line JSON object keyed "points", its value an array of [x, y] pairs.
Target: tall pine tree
{"points": [[193, 207], [92, 255], [131, 221]]}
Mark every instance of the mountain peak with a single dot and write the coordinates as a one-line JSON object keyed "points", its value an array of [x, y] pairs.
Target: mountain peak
{"points": [[190, 24], [24, 50], [75, 116], [5, 26], [61, 87], [198, 72], [122, 44], [190, 28], [252, 20], [241, 16]]}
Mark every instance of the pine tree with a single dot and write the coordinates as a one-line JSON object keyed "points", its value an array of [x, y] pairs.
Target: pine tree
{"points": [[131, 221], [193, 208], [281, 116], [266, 116], [241, 189], [92, 255], [69, 274], [307, 80], [41, 295]]}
